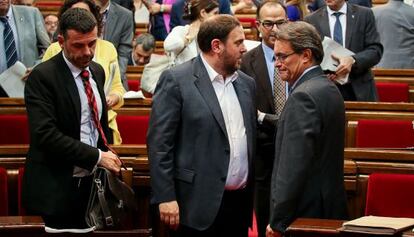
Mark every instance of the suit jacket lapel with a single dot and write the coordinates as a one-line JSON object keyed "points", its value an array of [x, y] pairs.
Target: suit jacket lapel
{"points": [[350, 22], [308, 76], [70, 85], [324, 23], [110, 22], [19, 20], [260, 68], [203, 84]]}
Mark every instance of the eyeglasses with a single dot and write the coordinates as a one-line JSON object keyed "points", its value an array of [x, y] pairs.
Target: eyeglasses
{"points": [[269, 24], [281, 57]]}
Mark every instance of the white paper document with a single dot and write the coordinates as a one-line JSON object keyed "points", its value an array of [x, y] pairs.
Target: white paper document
{"points": [[11, 80], [52, 230], [328, 63]]}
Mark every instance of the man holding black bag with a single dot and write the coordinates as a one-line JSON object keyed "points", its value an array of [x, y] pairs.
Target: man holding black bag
{"points": [[68, 126]]}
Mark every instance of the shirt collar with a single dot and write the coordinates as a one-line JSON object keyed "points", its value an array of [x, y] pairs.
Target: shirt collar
{"points": [[213, 74], [9, 14], [73, 69], [301, 76], [268, 53], [343, 10]]}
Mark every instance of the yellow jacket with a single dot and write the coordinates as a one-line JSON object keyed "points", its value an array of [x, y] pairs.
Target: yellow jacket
{"points": [[105, 55]]}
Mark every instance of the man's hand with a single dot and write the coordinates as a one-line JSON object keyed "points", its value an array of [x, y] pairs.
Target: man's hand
{"points": [[344, 67], [169, 214], [112, 100], [27, 73], [110, 161], [155, 8], [272, 233]]}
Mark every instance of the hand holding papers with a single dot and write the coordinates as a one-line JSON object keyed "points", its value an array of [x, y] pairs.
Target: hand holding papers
{"points": [[335, 60], [11, 80]]}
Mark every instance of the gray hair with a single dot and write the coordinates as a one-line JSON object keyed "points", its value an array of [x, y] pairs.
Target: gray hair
{"points": [[146, 40], [301, 36]]}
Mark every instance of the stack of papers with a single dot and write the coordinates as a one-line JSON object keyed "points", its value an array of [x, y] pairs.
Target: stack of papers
{"points": [[378, 225], [11, 80]]}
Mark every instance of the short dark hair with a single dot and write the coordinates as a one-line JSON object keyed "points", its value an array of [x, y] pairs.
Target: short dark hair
{"points": [[216, 27], [146, 40], [192, 8], [301, 36], [95, 10], [77, 19], [270, 2]]}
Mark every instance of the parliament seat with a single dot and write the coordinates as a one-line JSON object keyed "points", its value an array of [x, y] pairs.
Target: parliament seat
{"points": [[393, 92], [384, 134], [390, 195], [14, 129], [3, 192], [134, 85], [133, 128]]}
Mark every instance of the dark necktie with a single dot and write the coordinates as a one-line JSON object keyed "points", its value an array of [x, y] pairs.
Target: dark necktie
{"points": [[9, 43], [279, 92], [94, 109], [338, 28]]}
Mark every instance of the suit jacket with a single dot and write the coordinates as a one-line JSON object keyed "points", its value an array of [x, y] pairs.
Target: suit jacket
{"points": [[188, 147], [33, 38], [54, 113], [119, 30], [396, 19], [362, 38], [254, 65], [321, 3], [307, 178]]}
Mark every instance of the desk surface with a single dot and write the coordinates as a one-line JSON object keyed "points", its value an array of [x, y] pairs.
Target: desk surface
{"points": [[319, 227]]}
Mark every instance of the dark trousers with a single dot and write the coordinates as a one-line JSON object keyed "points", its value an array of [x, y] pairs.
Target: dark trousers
{"points": [[347, 92], [231, 219], [75, 218]]}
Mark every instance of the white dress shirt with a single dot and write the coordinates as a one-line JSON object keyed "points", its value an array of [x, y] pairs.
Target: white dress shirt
{"points": [[89, 134], [342, 19], [236, 131]]}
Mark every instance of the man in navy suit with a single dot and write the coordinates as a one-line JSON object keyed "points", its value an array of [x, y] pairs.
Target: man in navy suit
{"points": [[360, 35], [201, 137]]}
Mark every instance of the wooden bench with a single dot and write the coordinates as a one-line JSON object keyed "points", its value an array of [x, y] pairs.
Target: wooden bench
{"points": [[33, 226]]}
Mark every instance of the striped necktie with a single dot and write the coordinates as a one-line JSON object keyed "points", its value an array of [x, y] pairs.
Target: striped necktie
{"points": [[279, 93], [9, 44], [94, 110]]}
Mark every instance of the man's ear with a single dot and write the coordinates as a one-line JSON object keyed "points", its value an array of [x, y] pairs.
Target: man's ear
{"points": [[61, 40], [216, 46], [307, 55]]}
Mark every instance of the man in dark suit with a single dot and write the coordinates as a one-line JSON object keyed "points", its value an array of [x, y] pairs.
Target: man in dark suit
{"points": [[307, 179], [65, 143], [259, 64], [201, 137], [360, 35], [118, 28]]}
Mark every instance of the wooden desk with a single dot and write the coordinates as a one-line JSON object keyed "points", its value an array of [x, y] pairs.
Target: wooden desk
{"points": [[308, 227]]}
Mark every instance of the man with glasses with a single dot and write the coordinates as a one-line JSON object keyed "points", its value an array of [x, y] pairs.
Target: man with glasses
{"points": [[307, 178], [354, 28], [259, 64]]}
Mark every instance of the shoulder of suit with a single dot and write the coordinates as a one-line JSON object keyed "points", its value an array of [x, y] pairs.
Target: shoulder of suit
{"points": [[252, 52], [25, 9], [119, 9]]}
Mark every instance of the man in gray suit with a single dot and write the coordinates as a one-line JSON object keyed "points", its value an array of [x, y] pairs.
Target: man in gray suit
{"points": [[201, 137], [29, 34], [307, 179], [118, 28], [395, 22], [358, 34]]}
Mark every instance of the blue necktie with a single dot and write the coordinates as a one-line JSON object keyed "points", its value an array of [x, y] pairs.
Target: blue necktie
{"points": [[9, 44], [338, 28]]}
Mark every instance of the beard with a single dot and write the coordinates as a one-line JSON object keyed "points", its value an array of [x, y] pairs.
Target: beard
{"points": [[230, 63]]}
